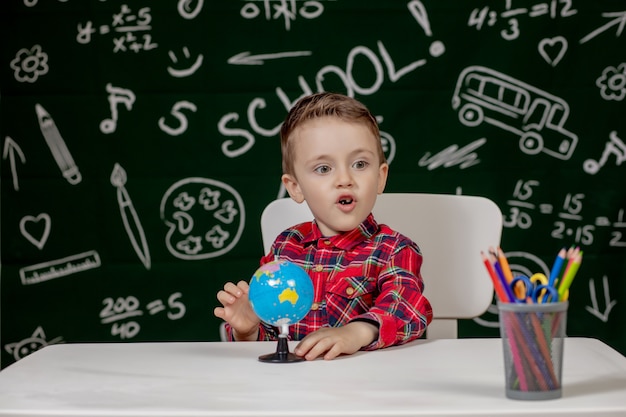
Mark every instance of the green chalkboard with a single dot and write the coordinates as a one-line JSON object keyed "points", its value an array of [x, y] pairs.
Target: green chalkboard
{"points": [[140, 145]]}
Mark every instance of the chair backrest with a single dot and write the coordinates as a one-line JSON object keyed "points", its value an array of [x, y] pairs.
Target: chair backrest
{"points": [[451, 231]]}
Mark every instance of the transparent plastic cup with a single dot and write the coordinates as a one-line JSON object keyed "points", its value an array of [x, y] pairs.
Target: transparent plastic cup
{"points": [[532, 341]]}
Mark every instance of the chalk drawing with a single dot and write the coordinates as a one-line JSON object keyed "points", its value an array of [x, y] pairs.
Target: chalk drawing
{"points": [[9, 151], [57, 146], [553, 49], [29, 64], [131, 221], [205, 218], [38, 241], [26, 346], [537, 117]]}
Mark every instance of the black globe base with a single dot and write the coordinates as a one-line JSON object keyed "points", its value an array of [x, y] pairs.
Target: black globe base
{"points": [[282, 354]]}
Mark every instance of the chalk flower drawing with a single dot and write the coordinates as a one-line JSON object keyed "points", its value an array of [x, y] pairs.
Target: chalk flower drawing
{"points": [[612, 83], [30, 64]]}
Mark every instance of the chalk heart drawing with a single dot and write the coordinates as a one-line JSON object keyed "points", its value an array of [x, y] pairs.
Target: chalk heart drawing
{"points": [[35, 225], [553, 49]]}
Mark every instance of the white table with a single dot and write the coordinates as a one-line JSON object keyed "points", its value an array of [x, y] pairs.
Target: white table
{"points": [[458, 377]]}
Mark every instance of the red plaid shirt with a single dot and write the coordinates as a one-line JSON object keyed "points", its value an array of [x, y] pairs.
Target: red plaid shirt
{"points": [[371, 273]]}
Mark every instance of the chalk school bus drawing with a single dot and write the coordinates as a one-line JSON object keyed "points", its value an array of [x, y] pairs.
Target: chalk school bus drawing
{"points": [[537, 117]]}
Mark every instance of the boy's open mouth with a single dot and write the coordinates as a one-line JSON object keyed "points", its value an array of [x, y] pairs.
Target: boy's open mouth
{"points": [[346, 200]]}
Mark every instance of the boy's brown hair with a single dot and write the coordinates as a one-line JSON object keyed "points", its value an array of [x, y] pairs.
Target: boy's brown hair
{"points": [[321, 105]]}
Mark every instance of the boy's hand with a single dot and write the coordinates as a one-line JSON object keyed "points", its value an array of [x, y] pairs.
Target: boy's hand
{"points": [[332, 342], [237, 311]]}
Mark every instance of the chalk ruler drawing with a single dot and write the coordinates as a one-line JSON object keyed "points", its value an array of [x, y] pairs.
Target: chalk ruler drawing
{"points": [[59, 268], [57, 146], [537, 117], [26, 346], [131, 221], [11, 148], [205, 218], [40, 241]]}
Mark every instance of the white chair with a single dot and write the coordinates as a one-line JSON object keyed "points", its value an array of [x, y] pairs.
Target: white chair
{"points": [[451, 231]]}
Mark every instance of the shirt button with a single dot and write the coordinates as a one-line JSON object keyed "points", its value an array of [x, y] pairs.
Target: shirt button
{"points": [[315, 306], [327, 242], [319, 268], [349, 290]]}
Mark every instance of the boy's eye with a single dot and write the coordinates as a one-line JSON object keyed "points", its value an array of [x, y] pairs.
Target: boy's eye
{"points": [[322, 169], [360, 164]]}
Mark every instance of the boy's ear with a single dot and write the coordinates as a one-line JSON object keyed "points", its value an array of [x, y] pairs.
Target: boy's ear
{"points": [[383, 171], [292, 187]]}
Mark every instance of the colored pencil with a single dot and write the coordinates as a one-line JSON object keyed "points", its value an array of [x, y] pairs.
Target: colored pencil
{"points": [[497, 285]]}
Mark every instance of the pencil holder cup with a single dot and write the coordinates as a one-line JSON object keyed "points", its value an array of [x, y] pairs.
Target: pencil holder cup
{"points": [[532, 341]]}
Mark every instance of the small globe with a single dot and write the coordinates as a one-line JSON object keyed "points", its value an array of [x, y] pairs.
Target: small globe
{"points": [[281, 293]]}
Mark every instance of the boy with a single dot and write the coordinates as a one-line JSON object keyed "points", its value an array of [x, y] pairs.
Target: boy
{"points": [[366, 277]]}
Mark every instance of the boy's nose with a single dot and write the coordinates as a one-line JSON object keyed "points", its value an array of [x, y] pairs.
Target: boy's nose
{"points": [[344, 179]]}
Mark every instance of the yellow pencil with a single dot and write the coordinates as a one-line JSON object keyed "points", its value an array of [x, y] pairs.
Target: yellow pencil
{"points": [[570, 273]]}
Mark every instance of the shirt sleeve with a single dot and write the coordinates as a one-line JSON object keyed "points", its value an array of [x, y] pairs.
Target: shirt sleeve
{"points": [[400, 309]]}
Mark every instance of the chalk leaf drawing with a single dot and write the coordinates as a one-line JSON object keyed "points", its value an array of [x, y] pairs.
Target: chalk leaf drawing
{"points": [[553, 49], [36, 229]]}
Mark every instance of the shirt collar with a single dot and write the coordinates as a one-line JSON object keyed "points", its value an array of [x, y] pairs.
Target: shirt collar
{"points": [[346, 240]]}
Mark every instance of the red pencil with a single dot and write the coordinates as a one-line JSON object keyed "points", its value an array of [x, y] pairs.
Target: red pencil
{"points": [[497, 285]]}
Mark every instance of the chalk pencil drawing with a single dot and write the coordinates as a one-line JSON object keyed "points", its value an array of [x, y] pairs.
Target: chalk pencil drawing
{"points": [[537, 117], [40, 240], [57, 146]]}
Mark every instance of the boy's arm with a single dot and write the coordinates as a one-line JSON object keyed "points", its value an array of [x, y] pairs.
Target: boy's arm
{"points": [[400, 310]]}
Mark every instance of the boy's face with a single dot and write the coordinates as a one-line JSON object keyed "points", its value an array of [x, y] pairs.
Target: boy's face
{"points": [[337, 171]]}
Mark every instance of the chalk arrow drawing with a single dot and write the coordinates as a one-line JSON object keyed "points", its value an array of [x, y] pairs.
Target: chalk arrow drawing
{"points": [[609, 304], [620, 21], [37, 241], [245, 58], [10, 149]]}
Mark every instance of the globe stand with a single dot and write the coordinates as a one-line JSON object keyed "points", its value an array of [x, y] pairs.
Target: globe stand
{"points": [[282, 354]]}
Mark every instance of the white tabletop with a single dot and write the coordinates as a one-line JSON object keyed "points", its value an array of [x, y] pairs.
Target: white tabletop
{"points": [[457, 377]]}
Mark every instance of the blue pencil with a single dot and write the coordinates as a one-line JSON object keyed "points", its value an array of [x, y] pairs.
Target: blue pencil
{"points": [[556, 268]]}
